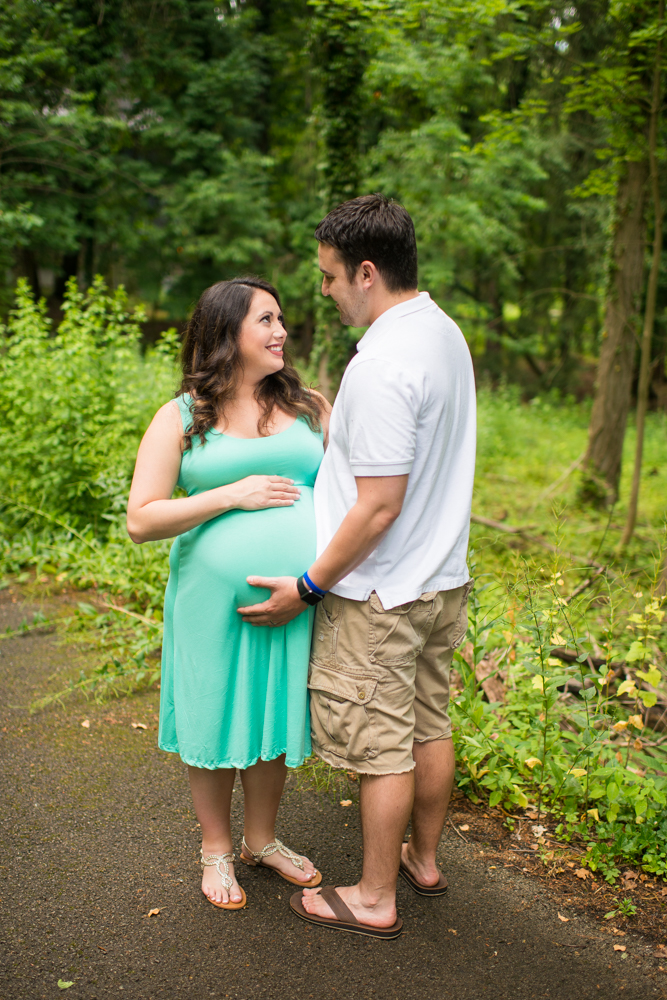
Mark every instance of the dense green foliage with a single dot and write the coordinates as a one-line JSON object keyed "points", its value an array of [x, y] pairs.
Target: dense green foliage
{"points": [[76, 404], [166, 144]]}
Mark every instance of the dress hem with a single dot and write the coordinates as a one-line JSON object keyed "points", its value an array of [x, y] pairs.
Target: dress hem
{"points": [[265, 755]]}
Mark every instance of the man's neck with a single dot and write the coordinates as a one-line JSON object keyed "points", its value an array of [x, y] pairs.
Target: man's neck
{"points": [[387, 300]]}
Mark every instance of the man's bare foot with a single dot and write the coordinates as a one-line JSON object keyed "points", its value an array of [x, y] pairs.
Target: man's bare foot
{"points": [[284, 865], [425, 873], [211, 884], [381, 913]]}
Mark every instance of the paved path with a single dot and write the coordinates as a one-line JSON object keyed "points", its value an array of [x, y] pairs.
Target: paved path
{"points": [[98, 830]]}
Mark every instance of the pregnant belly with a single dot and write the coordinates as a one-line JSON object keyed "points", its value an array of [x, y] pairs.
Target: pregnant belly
{"points": [[278, 541]]}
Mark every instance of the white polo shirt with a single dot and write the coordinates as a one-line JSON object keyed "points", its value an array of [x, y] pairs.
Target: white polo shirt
{"points": [[406, 404]]}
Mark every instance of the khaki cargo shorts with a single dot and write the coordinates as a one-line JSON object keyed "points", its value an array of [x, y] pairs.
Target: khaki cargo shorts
{"points": [[379, 680]]}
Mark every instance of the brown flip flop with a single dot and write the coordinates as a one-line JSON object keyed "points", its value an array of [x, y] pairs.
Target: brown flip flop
{"points": [[345, 920], [439, 889]]}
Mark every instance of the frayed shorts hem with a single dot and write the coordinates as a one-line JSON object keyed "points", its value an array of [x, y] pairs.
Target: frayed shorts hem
{"points": [[432, 739], [364, 767]]}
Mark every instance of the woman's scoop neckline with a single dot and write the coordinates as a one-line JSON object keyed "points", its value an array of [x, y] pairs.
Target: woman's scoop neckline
{"points": [[263, 437]]}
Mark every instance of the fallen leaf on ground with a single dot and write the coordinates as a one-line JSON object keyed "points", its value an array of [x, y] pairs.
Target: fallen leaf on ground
{"points": [[564, 919], [63, 985], [346, 802], [663, 892], [450, 930], [619, 947], [86, 725], [465, 826], [581, 873], [138, 725], [660, 951], [153, 913], [615, 930], [571, 864], [538, 830]]}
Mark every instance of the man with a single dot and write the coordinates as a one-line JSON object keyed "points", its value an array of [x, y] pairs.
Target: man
{"points": [[392, 503]]}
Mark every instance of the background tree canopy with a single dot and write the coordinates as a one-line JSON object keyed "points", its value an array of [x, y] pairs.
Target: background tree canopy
{"points": [[166, 144]]}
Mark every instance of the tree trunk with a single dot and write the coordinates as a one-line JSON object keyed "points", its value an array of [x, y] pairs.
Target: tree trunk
{"points": [[651, 297], [615, 368]]}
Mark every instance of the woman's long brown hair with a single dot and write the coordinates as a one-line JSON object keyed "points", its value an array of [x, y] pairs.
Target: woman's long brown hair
{"points": [[212, 363]]}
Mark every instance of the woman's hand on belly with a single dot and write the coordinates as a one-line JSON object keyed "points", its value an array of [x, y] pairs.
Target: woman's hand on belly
{"points": [[260, 492]]}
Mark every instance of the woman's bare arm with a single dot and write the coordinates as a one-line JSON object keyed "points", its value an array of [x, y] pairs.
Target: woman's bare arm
{"points": [[151, 511]]}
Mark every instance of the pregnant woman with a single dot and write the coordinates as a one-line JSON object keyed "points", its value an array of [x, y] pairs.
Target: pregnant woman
{"points": [[244, 439]]}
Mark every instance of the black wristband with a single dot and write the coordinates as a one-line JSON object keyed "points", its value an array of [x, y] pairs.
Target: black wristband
{"points": [[308, 596]]}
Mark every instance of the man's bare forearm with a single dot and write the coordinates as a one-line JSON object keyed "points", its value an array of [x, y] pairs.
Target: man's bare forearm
{"points": [[359, 534]]}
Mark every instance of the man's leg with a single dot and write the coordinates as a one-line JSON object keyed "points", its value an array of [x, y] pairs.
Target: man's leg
{"points": [[385, 805], [434, 779], [433, 749]]}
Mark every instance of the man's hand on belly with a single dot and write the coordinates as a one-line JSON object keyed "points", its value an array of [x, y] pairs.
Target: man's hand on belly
{"points": [[283, 605]]}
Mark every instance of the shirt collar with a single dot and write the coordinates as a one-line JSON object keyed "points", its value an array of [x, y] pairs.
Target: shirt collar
{"points": [[421, 301]]}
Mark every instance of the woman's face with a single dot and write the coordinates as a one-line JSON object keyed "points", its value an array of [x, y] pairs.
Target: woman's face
{"points": [[262, 338]]}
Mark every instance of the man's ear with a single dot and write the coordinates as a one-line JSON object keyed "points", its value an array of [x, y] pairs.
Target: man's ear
{"points": [[369, 273]]}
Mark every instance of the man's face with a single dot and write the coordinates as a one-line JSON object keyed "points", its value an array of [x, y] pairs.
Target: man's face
{"points": [[349, 296]]}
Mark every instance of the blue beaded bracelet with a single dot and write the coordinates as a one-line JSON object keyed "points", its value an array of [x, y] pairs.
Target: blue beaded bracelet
{"points": [[315, 589]]}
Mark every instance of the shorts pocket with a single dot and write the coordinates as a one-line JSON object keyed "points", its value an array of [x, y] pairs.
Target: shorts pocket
{"points": [[328, 614], [460, 629], [342, 716], [397, 636]]}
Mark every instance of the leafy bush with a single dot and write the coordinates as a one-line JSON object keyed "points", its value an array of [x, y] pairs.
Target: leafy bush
{"points": [[572, 735], [75, 404]]}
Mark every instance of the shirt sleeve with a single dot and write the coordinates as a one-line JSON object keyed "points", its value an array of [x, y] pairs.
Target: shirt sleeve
{"points": [[381, 409]]}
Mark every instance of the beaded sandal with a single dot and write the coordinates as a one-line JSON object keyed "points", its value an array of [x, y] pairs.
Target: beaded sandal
{"points": [[214, 861], [276, 846]]}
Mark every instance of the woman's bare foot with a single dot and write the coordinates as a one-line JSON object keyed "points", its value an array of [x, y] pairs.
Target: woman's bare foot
{"points": [[380, 913], [425, 873], [283, 864], [211, 884]]}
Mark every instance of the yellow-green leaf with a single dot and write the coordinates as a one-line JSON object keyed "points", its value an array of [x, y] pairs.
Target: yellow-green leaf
{"points": [[648, 698], [651, 676], [637, 651], [578, 772], [538, 682], [63, 985], [627, 687], [520, 798], [532, 762]]}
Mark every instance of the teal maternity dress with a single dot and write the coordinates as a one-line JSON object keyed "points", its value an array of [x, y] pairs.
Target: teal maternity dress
{"points": [[232, 693]]}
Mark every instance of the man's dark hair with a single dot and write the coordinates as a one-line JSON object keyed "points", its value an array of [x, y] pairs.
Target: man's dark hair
{"points": [[373, 228]]}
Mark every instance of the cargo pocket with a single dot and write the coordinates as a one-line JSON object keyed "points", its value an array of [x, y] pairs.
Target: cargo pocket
{"points": [[342, 714], [461, 625], [397, 636]]}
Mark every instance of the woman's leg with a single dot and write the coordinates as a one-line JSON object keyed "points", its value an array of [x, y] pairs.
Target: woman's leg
{"points": [[212, 798], [262, 788]]}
